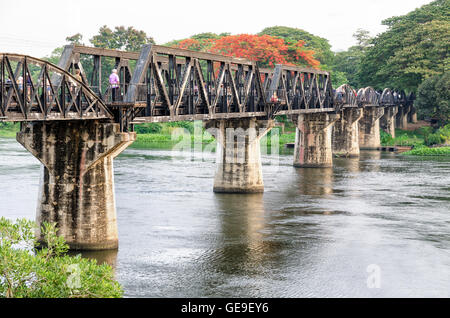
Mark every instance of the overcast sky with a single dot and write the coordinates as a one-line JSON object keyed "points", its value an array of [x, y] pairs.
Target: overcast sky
{"points": [[37, 27]]}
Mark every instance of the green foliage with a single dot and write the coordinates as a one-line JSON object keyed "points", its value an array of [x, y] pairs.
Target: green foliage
{"points": [[403, 138], [47, 272], [128, 39], [203, 39], [433, 98], [150, 128], [386, 139], [441, 136], [312, 42], [338, 78], [347, 62], [425, 151], [75, 39], [188, 125], [414, 47], [8, 129]]}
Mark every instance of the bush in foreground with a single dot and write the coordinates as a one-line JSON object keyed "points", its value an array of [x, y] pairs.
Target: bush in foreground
{"points": [[27, 271]]}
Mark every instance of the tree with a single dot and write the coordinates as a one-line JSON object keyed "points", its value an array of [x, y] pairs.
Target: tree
{"points": [[27, 271], [197, 42], [363, 38], [347, 62], [320, 46], [265, 49], [433, 99], [128, 39], [75, 39], [414, 47]]}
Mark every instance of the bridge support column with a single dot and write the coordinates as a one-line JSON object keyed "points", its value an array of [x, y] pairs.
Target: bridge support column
{"points": [[412, 116], [313, 147], [387, 122], [239, 167], [402, 117], [346, 133], [77, 182], [369, 128]]}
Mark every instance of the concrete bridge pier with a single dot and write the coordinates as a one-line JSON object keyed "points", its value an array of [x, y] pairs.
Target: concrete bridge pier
{"points": [[77, 181], [402, 117], [387, 122], [369, 128], [345, 137], [412, 115], [239, 168], [313, 147]]}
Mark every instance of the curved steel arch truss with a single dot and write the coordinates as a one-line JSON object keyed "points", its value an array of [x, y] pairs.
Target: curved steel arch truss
{"points": [[32, 89]]}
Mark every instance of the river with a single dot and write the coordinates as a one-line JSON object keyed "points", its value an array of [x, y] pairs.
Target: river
{"points": [[377, 226]]}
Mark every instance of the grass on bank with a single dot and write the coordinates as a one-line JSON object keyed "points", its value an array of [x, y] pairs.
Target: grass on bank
{"points": [[427, 151], [9, 130]]}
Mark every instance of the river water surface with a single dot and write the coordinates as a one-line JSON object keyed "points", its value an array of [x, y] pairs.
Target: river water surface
{"points": [[377, 226]]}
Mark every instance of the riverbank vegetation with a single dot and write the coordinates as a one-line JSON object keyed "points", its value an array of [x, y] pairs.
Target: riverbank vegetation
{"points": [[427, 151], [423, 136], [425, 141], [31, 270], [9, 130]]}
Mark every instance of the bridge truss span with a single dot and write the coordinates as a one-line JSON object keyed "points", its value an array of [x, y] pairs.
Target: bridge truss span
{"points": [[162, 84], [170, 84], [32, 89]]}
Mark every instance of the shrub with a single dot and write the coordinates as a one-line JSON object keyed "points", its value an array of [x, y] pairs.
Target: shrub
{"points": [[386, 139], [29, 270], [150, 128], [425, 151]]}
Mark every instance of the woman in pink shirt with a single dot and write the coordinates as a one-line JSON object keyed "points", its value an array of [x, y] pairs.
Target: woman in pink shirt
{"points": [[114, 82]]}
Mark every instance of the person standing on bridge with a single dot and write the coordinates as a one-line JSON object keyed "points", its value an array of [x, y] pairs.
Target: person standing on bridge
{"points": [[78, 75], [114, 83]]}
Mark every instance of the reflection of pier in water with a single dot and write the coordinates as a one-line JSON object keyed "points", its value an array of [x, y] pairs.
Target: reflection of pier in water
{"points": [[315, 181]]}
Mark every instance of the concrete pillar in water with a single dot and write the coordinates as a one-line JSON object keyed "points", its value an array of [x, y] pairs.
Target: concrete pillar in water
{"points": [[369, 128], [313, 140], [345, 137], [402, 117], [387, 122], [412, 116], [77, 182], [238, 163]]}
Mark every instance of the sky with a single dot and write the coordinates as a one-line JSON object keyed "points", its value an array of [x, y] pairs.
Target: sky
{"points": [[36, 27]]}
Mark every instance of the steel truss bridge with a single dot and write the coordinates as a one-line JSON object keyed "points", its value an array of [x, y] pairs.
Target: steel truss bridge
{"points": [[162, 84]]}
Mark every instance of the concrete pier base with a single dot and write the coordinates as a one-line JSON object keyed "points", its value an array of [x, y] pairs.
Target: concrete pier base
{"points": [[77, 180], [369, 128], [412, 115], [402, 117], [345, 137], [238, 162], [313, 147], [387, 122]]}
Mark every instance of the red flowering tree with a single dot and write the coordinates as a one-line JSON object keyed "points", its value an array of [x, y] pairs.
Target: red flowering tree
{"points": [[265, 49]]}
